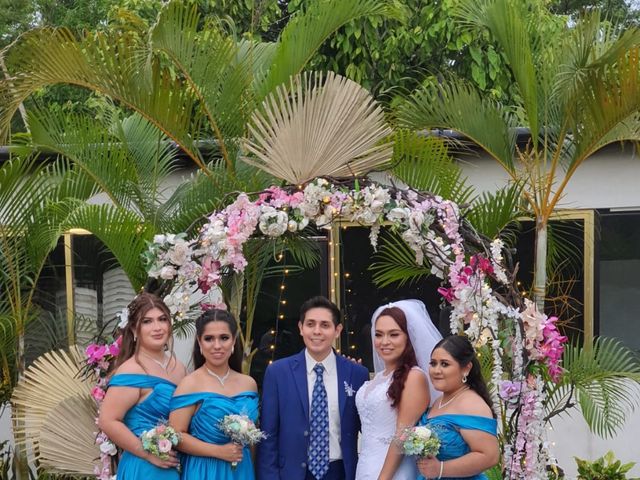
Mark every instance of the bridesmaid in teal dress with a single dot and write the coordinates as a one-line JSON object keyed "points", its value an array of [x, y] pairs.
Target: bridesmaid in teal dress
{"points": [[462, 417], [140, 391], [203, 398]]}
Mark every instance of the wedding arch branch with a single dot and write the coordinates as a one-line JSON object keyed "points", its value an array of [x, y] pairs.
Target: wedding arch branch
{"points": [[477, 275]]}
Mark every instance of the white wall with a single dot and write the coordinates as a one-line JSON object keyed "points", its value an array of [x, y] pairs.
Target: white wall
{"points": [[609, 179], [570, 437]]}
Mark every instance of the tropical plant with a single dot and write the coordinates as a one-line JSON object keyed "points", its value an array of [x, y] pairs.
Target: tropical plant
{"points": [[602, 379], [577, 88], [603, 468], [195, 84]]}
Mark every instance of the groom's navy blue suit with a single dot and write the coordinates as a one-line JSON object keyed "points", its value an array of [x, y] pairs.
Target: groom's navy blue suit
{"points": [[285, 418]]}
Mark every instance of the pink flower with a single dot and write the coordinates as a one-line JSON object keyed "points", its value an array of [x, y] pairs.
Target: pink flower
{"points": [[447, 294], [211, 306], [164, 445], [97, 393], [160, 429], [95, 352], [114, 349]]}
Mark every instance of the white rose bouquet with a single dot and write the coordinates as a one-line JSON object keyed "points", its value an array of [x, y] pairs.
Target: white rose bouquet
{"points": [[241, 429], [419, 441]]}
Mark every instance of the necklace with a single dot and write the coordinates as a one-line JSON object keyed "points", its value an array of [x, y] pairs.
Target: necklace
{"points": [[162, 365], [222, 378], [442, 405]]}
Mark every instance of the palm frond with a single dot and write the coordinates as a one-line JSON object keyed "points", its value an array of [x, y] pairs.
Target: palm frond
{"points": [[456, 105], [495, 214], [51, 379], [114, 64], [88, 144], [320, 126], [424, 164], [609, 101], [309, 29], [67, 439], [122, 231], [605, 380], [212, 68], [395, 263], [510, 30]]}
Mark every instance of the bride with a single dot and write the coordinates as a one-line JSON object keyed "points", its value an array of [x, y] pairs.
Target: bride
{"points": [[403, 337]]}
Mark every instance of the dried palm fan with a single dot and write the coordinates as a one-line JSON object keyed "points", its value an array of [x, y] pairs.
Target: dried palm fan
{"points": [[50, 380], [67, 439], [319, 126]]}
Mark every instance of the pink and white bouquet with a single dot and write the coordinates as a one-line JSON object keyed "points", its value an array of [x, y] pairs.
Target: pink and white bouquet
{"points": [[241, 429], [419, 441], [160, 440]]}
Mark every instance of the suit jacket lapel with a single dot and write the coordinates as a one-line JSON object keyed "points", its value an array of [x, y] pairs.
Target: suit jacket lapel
{"points": [[299, 370], [342, 369]]}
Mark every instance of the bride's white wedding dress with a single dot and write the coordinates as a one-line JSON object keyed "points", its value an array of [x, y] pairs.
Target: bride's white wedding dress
{"points": [[378, 421]]}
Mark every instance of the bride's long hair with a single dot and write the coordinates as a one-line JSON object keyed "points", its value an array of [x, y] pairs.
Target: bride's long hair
{"points": [[407, 359]]}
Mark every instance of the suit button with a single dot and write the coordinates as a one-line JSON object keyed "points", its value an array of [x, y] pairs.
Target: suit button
{"points": [[306, 433], [303, 465]]}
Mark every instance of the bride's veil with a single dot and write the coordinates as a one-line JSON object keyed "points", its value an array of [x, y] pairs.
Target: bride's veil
{"points": [[422, 332]]}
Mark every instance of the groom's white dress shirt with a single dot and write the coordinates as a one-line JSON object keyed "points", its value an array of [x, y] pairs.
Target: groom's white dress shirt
{"points": [[330, 379]]}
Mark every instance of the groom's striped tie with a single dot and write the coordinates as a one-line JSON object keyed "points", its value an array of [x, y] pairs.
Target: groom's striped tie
{"points": [[319, 426]]}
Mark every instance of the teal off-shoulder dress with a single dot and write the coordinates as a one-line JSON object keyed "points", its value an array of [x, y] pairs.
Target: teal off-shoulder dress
{"points": [[205, 426], [142, 417], [452, 444]]}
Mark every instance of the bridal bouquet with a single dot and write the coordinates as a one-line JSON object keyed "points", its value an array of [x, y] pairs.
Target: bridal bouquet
{"points": [[160, 440], [241, 429], [419, 441]]}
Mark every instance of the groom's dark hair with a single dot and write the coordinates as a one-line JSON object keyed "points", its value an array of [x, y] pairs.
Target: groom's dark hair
{"points": [[320, 302]]}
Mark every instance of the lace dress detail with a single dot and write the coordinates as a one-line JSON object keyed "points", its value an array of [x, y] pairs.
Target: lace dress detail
{"points": [[378, 421]]}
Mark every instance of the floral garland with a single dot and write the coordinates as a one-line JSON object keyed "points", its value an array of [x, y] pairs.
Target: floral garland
{"points": [[99, 359], [519, 336]]}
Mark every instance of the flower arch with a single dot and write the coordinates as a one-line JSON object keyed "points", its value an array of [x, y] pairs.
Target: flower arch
{"points": [[478, 283]]}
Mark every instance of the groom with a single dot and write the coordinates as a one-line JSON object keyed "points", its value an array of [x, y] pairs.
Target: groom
{"points": [[308, 405]]}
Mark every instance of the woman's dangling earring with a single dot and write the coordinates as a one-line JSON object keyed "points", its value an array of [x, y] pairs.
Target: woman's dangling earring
{"points": [[233, 349], [464, 378], [135, 339]]}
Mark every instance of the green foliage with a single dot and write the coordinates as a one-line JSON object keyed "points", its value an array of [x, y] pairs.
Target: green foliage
{"points": [[602, 379], [604, 468], [617, 11], [389, 56]]}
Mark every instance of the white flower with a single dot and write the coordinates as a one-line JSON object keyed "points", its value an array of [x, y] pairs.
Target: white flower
{"points": [[422, 432], [168, 272], [108, 448], [179, 254], [302, 224], [159, 239], [398, 214], [273, 223], [348, 389], [124, 318]]}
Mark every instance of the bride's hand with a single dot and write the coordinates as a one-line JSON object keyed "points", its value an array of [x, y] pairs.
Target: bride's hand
{"points": [[429, 467]]}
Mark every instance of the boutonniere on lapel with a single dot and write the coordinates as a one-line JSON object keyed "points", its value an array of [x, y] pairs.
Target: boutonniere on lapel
{"points": [[348, 389]]}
